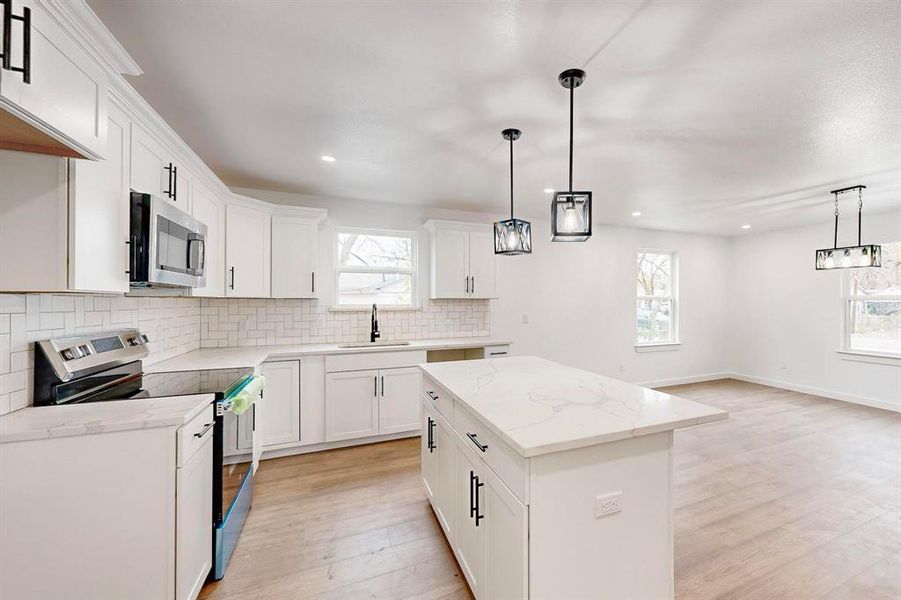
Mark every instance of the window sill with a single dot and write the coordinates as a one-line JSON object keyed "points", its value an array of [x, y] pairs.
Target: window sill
{"points": [[664, 347], [368, 307], [871, 356]]}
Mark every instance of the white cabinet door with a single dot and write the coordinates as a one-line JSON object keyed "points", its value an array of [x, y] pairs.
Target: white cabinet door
{"points": [[445, 448], [399, 402], [351, 405], [148, 164], [451, 263], [471, 530], [184, 188], [506, 520], [194, 522], [428, 458], [98, 214], [67, 94], [295, 257], [482, 265], [247, 252], [280, 422], [211, 211]]}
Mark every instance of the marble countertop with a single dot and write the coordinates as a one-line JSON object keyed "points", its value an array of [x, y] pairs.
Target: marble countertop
{"points": [[42, 422], [538, 406], [252, 356]]}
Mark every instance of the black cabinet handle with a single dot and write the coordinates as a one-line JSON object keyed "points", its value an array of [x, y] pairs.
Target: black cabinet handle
{"points": [[474, 509], [479, 515], [467, 284], [6, 55], [430, 436], [313, 282], [472, 437], [206, 428], [170, 193], [432, 395], [383, 386], [498, 353], [232, 284], [375, 386], [473, 284], [174, 184]]}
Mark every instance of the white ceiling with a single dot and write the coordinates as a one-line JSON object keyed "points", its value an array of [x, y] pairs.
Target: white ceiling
{"points": [[702, 115]]}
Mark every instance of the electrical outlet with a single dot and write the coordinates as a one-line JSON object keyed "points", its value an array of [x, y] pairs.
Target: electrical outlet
{"points": [[608, 504], [525, 319]]}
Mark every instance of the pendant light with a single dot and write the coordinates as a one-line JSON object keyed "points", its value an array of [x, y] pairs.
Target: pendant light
{"points": [[513, 236], [571, 211], [861, 255]]}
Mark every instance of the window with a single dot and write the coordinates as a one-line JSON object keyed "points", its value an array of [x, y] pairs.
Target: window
{"points": [[656, 304], [375, 267], [873, 305]]}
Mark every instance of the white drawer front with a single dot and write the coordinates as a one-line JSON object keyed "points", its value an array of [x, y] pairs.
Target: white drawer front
{"points": [[509, 466], [193, 434], [439, 398], [373, 360]]}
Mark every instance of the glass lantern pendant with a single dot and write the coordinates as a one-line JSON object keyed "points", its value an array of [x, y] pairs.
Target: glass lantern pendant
{"points": [[513, 236], [869, 255], [571, 211]]}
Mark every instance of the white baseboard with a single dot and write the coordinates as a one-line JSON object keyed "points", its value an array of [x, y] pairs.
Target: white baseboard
{"points": [[683, 380], [873, 402]]}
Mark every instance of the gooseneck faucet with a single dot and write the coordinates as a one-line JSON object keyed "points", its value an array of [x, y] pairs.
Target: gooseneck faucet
{"points": [[374, 332]]}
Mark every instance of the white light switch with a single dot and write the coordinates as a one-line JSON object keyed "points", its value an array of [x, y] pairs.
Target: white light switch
{"points": [[608, 504]]}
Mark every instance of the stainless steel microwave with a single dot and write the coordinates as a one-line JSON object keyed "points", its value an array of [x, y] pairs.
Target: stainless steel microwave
{"points": [[168, 246]]}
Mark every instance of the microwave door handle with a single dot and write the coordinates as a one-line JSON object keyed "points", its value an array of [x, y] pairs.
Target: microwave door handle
{"points": [[196, 266]]}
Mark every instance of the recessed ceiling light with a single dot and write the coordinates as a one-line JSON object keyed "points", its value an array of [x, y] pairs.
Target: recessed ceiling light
{"points": [[745, 226], [327, 158], [548, 190], [637, 213]]}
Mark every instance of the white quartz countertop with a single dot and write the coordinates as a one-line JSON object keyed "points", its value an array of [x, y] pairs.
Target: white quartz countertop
{"points": [[252, 356], [42, 422], [538, 406]]}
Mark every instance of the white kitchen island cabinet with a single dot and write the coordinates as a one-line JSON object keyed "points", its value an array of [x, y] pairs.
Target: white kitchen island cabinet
{"points": [[552, 482]]}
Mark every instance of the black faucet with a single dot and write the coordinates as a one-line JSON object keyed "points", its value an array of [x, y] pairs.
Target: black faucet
{"points": [[374, 332]]}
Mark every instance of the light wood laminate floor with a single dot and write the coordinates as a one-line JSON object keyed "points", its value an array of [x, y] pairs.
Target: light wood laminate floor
{"points": [[793, 497]]}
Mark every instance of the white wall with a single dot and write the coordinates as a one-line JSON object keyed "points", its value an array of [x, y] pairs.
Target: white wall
{"points": [[785, 320], [580, 302], [580, 298]]}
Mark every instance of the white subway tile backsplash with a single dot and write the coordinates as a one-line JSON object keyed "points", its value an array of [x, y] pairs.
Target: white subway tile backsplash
{"points": [[173, 325]]}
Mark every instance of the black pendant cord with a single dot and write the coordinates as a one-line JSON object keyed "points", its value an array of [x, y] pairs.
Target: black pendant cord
{"points": [[835, 238], [511, 178], [572, 88], [859, 214]]}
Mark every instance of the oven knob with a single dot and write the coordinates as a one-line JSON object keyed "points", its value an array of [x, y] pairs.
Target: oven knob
{"points": [[133, 341], [71, 353], [85, 350], [144, 338]]}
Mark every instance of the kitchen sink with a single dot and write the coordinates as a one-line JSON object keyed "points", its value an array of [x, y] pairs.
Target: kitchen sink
{"points": [[373, 344]]}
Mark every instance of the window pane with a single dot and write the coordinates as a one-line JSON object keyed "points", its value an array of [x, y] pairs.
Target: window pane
{"points": [[654, 274], [875, 325], [365, 250], [655, 322], [880, 281], [375, 288]]}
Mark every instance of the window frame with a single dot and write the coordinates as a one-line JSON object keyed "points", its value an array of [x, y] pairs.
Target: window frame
{"points": [[675, 340], [845, 348], [413, 271]]}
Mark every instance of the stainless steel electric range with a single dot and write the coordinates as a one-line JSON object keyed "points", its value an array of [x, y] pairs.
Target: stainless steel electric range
{"points": [[107, 367]]}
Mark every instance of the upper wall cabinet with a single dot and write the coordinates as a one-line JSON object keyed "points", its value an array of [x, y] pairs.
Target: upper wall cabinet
{"points": [[247, 251], [211, 211], [154, 171], [462, 260], [53, 93], [295, 254]]}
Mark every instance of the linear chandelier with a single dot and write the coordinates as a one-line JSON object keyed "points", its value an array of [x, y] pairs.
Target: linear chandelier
{"points": [[847, 257]]}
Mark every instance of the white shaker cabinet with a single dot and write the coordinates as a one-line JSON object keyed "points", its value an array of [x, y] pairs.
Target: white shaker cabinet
{"points": [[280, 422], [471, 534], [463, 263], [351, 405], [399, 408], [155, 171], [247, 251], [210, 210], [62, 108], [193, 518], [295, 255]]}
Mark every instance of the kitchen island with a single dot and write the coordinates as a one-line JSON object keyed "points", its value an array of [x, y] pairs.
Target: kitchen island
{"points": [[551, 482]]}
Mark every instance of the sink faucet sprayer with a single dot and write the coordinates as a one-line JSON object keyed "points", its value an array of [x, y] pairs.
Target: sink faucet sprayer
{"points": [[374, 332]]}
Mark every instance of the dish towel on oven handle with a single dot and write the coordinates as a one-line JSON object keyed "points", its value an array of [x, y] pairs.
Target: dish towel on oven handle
{"points": [[248, 394]]}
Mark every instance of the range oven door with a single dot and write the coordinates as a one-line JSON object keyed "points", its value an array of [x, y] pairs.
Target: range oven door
{"points": [[168, 246]]}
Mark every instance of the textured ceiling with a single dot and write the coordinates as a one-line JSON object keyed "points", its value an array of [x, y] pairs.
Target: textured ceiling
{"points": [[702, 115]]}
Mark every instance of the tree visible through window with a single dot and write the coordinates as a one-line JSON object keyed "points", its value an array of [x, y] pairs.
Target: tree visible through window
{"points": [[375, 268], [873, 305], [656, 304]]}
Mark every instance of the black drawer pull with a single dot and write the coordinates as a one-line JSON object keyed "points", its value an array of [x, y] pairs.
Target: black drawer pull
{"points": [[431, 435], [474, 485], [6, 54], [206, 428], [432, 395], [472, 438]]}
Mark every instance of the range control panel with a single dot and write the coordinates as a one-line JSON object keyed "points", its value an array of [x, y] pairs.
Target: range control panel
{"points": [[81, 348]]}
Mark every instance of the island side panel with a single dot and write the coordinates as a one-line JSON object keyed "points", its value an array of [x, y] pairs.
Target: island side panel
{"points": [[627, 554]]}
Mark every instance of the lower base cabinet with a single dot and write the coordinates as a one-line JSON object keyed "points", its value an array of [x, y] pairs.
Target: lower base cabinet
{"points": [[485, 523], [194, 512], [371, 402]]}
